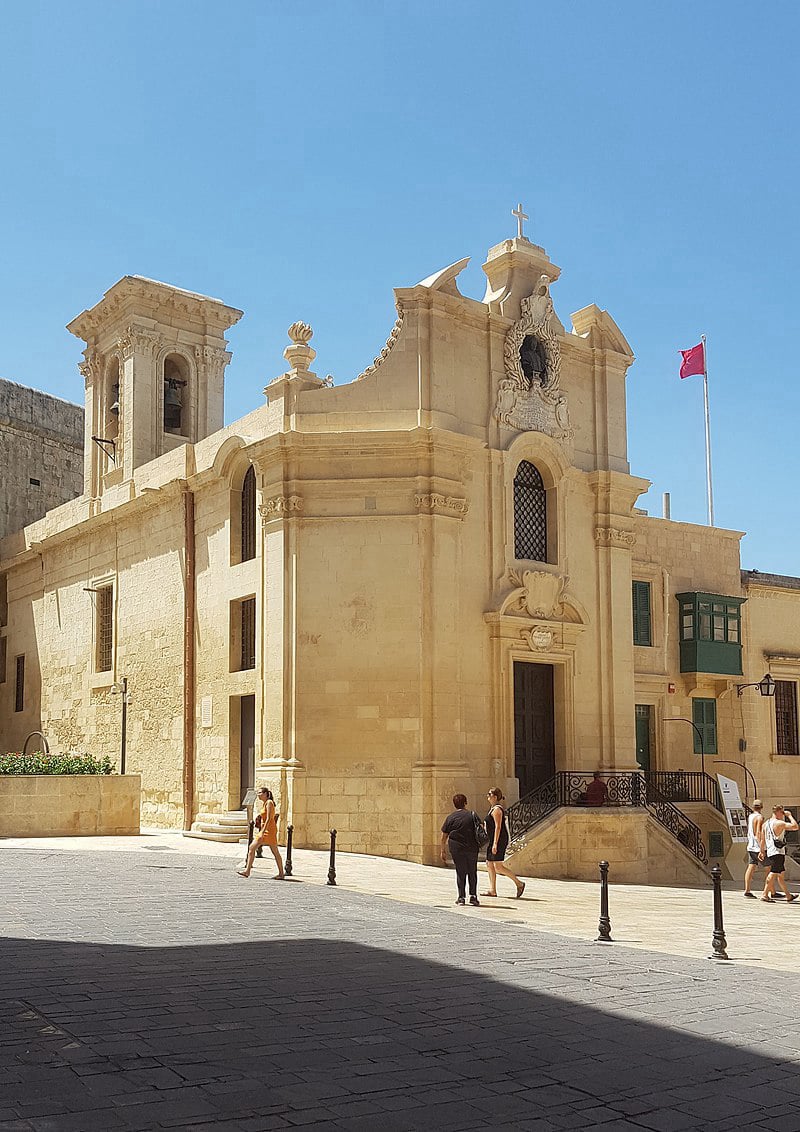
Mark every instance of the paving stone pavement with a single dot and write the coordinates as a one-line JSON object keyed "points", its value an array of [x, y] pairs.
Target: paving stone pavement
{"points": [[143, 991]]}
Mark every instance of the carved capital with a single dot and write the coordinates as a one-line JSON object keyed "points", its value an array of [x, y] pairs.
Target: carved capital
{"points": [[212, 359], [442, 504], [614, 537], [91, 367], [279, 505], [138, 340]]}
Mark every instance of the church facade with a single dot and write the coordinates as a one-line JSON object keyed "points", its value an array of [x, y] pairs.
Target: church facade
{"points": [[368, 596]]}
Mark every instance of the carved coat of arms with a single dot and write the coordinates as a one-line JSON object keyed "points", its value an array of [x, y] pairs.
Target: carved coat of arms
{"points": [[529, 397]]}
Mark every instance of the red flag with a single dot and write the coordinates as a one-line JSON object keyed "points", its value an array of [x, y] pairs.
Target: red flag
{"points": [[694, 361]]}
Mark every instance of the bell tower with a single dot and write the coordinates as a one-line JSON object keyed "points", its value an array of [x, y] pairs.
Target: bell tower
{"points": [[154, 368]]}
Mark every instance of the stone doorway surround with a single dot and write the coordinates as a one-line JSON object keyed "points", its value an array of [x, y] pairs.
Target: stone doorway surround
{"points": [[529, 640]]}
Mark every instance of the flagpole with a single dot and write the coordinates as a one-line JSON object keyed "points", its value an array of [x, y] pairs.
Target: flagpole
{"points": [[708, 434]]}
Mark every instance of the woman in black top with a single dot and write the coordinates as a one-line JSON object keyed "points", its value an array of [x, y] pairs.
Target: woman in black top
{"points": [[498, 843], [458, 834]]}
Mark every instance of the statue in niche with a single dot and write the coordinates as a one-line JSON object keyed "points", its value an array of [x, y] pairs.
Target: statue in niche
{"points": [[531, 359]]}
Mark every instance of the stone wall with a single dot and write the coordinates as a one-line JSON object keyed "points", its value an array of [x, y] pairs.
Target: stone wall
{"points": [[41, 454], [69, 805]]}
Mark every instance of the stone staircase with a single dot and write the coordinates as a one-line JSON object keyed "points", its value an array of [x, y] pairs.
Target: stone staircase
{"points": [[231, 827]]}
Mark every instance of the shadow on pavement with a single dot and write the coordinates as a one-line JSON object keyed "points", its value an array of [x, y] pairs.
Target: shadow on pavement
{"points": [[323, 1033]]}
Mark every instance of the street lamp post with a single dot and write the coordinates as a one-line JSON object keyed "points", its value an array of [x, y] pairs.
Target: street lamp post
{"points": [[122, 689], [732, 762], [698, 732]]}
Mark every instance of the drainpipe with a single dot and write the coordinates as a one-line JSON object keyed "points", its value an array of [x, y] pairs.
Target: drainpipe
{"points": [[188, 655]]}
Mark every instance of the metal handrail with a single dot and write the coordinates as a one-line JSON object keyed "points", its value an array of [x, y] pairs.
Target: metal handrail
{"points": [[687, 786], [42, 737], [624, 788]]}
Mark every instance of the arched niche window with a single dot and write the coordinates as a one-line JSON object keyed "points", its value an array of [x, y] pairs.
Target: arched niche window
{"points": [[530, 514], [248, 529], [176, 408]]}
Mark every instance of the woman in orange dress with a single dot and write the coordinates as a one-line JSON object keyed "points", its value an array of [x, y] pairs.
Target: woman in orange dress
{"points": [[266, 824]]}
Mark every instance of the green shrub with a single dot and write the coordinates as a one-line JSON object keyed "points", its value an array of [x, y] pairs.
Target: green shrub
{"points": [[38, 763]]}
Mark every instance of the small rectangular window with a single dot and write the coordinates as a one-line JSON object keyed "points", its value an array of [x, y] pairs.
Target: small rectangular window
{"points": [[19, 687], [104, 622], [3, 599], [704, 717], [786, 717], [35, 483], [3, 652], [248, 659], [642, 617]]}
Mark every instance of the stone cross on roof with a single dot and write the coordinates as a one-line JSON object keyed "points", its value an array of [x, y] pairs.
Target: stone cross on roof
{"points": [[520, 215]]}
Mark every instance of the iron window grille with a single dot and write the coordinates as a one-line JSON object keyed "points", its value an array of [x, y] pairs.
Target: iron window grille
{"points": [[248, 547], [105, 628], [786, 717], [248, 657], [19, 687], [530, 514]]}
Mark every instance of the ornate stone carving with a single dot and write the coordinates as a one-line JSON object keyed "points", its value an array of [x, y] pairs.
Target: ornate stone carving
{"points": [[300, 333], [442, 504], [279, 505], [91, 368], [539, 639], [538, 593], [212, 359], [298, 353], [139, 340], [529, 397], [390, 341], [613, 536]]}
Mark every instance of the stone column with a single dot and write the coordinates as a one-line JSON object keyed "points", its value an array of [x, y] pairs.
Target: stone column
{"points": [[614, 540], [440, 769], [279, 765]]}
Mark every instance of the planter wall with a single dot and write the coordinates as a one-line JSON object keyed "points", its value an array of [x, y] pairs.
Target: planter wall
{"points": [[69, 805]]}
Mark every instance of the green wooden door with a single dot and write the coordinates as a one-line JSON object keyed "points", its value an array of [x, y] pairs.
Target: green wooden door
{"points": [[644, 714]]}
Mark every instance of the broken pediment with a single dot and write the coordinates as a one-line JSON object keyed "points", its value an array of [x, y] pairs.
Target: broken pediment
{"points": [[445, 280], [601, 331]]}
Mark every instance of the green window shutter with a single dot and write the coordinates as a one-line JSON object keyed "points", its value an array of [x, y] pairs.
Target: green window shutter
{"points": [[704, 717], [642, 630]]}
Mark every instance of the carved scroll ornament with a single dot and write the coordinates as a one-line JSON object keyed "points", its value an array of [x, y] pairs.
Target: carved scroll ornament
{"points": [[535, 402], [442, 504], [279, 505]]}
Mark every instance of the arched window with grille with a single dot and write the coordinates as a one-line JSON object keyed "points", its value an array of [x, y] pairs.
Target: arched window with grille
{"points": [[530, 514], [248, 545]]}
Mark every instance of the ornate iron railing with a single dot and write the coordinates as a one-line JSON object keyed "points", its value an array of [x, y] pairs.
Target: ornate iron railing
{"points": [[686, 786], [626, 788]]}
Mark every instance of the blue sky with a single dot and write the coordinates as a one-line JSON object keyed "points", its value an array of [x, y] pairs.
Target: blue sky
{"points": [[300, 160]]}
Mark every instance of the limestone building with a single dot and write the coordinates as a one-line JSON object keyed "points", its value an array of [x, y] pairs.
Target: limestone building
{"points": [[41, 454], [433, 577]]}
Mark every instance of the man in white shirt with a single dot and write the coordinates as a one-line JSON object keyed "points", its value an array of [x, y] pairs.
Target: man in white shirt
{"points": [[773, 847], [754, 823]]}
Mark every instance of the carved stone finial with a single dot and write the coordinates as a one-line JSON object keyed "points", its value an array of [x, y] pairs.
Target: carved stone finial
{"points": [[301, 333], [300, 355]]}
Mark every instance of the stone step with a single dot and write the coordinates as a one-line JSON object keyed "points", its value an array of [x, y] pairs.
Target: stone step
{"points": [[228, 838], [234, 817], [238, 830]]}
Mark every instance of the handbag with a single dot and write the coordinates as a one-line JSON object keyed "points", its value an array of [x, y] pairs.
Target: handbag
{"points": [[481, 836]]}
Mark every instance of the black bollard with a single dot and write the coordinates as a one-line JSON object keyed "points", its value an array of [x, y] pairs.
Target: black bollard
{"points": [[604, 927], [719, 943], [288, 866], [332, 868]]}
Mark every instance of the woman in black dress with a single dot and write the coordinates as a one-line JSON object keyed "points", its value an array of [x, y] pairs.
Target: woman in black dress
{"points": [[498, 843]]}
